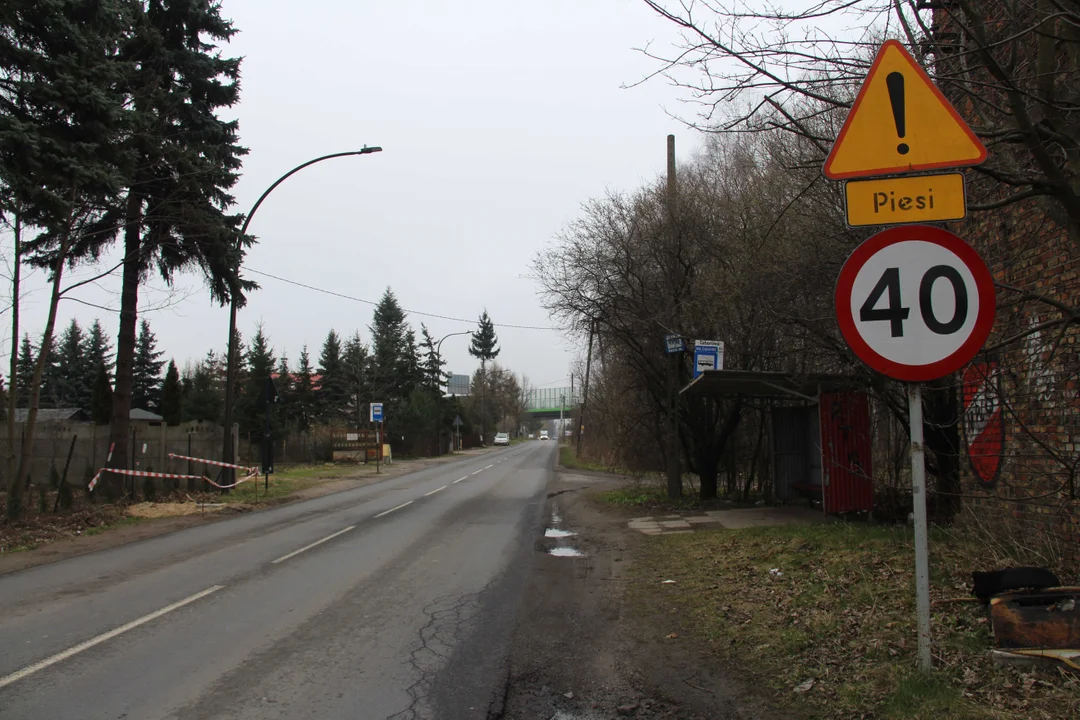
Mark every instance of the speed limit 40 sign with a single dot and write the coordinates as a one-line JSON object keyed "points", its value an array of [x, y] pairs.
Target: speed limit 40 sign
{"points": [[915, 303]]}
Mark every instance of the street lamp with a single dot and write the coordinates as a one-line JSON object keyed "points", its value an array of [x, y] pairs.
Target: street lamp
{"points": [[230, 362], [438, 345], [438, 359]]}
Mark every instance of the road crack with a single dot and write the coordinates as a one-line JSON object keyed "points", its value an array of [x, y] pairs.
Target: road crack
{"points": [[447, 617]]}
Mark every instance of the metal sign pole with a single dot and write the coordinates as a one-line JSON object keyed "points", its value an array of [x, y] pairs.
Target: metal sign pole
{"points": [[918, 496]]}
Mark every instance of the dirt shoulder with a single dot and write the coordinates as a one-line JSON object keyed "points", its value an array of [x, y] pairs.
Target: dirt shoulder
{"points": [[596, 640], [705, 611], [45, 537]]}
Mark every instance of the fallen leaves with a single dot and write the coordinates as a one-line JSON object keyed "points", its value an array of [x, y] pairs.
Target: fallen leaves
{"points": [[838, 632]]}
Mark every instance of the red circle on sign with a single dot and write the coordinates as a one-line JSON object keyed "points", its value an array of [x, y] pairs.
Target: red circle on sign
{"points": [[980, 330]]}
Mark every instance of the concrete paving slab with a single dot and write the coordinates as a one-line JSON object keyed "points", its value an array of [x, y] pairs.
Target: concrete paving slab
{"points": [[675, 524], [765, 517]]}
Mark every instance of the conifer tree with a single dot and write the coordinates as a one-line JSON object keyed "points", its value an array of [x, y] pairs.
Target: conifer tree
{"points": [[172, 396], [146, 372], [332, 396]]}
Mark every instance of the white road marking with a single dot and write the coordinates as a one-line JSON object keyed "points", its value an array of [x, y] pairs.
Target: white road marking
{"points": [[435, 490], [387, 512], [489, 466], [479, 471], [31, 669], [459, 480], [294, 553]]}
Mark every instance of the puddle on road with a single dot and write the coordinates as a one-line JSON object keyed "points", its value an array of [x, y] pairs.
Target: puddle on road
{"points": [[557, 533], [565, 552]]}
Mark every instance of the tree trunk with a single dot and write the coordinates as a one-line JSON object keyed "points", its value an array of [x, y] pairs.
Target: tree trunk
{"points": [[125, 339], [15, 489], [708, 472], [17, 485], [755, 460]]}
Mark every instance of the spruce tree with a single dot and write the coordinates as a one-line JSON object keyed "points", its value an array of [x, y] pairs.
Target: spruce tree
{"points": [[410, 370], [356, 367], [304, 393], [203, 401], [146, 371], [434, 377], [51, 383], [185, 159], [98, 347], [286, 386], [389, 345], [217, 366], [260, 366], [332, 396], [98, 351], [25, 371], [63, 123], [484, 346], [101, 400], [72, 368], [172, 396]]}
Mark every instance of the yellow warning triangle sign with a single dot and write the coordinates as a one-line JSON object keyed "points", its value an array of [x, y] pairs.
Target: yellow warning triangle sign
{"points": [[900, 122]]}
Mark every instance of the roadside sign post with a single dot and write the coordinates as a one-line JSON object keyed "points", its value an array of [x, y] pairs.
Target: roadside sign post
{"points": [[708, 355], [674, 346], [902, 124], [918, 497], [376, 410], [457, 433], [914, 302]]}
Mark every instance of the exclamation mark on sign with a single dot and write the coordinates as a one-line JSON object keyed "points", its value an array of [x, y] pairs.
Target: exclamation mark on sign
{"points": [[895, 82]]}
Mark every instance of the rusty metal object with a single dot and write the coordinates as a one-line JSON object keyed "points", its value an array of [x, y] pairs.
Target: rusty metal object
{"points": [[1042, 619]]}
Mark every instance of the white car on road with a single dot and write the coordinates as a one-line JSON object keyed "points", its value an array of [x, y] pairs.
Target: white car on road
{"points": [[502, 439]]}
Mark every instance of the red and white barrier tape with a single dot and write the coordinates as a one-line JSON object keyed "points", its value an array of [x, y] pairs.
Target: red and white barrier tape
{"points": [[218, 463], [173, 476]]}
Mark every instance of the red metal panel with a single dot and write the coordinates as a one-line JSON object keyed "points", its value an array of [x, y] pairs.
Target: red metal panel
{"points": [[846, 461]]}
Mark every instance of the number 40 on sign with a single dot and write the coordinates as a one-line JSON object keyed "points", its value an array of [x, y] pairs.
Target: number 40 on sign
{"points": [[915, 303]]}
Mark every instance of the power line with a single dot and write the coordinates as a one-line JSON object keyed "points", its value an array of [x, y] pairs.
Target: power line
{"points": [[411, 312]]}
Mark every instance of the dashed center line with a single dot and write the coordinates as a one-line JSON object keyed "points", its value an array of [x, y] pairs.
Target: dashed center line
{"points": [[294, 553], [31, 669], [387, 512], [489, 466], [459, 480], [479, 471], [435, 490]]}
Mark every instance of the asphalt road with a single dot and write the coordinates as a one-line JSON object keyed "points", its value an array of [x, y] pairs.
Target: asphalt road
{"points": [[395, 600]]}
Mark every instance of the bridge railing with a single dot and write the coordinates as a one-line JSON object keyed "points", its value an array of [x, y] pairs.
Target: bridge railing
{"points": [[552, 398]]}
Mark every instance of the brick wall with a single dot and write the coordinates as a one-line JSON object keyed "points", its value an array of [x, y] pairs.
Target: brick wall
{"points": [[1031, 368]]}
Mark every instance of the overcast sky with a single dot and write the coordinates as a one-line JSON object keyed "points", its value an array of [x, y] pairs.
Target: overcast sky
{"points": [[498, 120]]}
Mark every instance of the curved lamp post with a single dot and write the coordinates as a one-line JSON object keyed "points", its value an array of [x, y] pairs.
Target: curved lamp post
{"points": [[230, 362], [438, 356]]}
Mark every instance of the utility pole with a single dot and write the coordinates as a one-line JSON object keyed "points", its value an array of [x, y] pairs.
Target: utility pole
{"points": [[571, 400], [562, 404], [674, 480], [585, 389]]}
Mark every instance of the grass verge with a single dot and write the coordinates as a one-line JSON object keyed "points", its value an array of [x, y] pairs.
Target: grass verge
{"points": [[833, 633], [568, 459], [119, 522]]}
